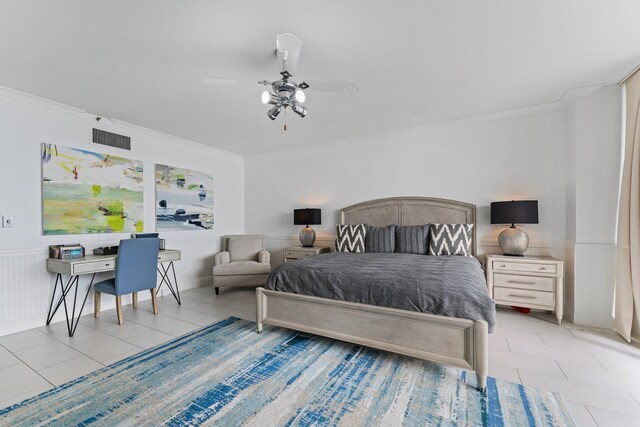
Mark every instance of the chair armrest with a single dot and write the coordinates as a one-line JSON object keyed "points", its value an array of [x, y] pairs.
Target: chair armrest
{"points": [[264, 257], [222, 258]]}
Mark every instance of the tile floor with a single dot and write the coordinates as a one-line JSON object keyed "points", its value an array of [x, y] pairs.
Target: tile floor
{"points": [[596, 371]]}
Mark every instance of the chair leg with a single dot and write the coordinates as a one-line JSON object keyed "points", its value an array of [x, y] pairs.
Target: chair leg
{"points": [[119, 309], [96, 304], [217, 291], [154, 303], [134, 300]]}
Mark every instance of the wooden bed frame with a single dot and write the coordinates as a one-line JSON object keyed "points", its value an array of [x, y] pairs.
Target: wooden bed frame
{"points": [[450, 340]]}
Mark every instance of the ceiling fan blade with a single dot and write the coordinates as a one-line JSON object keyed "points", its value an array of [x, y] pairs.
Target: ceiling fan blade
{"points": [[288, 51], [336, 88], [216, 82]]}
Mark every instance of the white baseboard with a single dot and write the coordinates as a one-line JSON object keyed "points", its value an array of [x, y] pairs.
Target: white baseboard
{"points": [[587, 319]]}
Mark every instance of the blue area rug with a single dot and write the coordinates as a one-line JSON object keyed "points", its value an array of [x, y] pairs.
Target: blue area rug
{"points": [[228, 375]]}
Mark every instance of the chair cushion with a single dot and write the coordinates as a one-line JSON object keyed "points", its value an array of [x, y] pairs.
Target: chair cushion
{"points": [[107, 286], [244, 248], [241, 267]]}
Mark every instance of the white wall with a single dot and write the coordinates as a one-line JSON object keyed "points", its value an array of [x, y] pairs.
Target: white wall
{"points": [[25, 122], [477, 161]]}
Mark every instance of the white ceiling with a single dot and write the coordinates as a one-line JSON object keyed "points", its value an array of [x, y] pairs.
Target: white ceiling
{"points": [[416, 62]]}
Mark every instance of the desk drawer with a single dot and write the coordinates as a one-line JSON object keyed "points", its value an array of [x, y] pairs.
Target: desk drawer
{"points": [[524, 282], [523, 266], [93, 266], [523, 296]]}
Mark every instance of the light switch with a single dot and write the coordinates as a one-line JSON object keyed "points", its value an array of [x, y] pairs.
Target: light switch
{"points": [[7, 221]]}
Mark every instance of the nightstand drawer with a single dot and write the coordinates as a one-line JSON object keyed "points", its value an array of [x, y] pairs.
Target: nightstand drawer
{"points": [[297, 254], [523, 266], [523, 296], [524, 282]]}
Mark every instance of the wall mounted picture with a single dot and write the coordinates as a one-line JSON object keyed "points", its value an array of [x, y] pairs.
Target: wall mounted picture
{"points": [[87, 192], [184, 199]]}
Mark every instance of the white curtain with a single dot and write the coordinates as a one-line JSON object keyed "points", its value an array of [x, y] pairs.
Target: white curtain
{"points": [[627, 306]]}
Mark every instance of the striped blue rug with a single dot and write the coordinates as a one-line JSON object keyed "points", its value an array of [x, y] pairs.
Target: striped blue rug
{"points": [[228, 375]]}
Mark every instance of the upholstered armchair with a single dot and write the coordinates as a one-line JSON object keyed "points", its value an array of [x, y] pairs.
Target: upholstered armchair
{"points": [[243, 262]]}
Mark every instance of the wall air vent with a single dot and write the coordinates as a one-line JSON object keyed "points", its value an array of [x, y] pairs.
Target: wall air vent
{"points": [[111, 139]]}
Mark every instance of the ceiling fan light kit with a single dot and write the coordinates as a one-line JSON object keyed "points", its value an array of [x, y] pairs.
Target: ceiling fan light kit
{"points": [[286, 93]]}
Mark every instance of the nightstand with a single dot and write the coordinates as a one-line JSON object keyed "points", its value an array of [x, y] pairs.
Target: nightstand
{"points": [[297, 252], [529, 281]]}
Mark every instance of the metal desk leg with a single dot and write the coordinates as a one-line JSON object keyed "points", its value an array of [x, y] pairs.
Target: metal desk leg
{"points": [[164, 278], [64, 290], [72, 324], [72, 283]]}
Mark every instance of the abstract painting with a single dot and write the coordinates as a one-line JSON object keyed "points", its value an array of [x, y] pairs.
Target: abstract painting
{"points": [[87, 192], [184, 199]]}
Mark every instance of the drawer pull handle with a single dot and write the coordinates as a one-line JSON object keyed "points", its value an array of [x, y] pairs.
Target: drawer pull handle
{"points": [[543, 268], [521, 282], [522, 296], [503, 266]]}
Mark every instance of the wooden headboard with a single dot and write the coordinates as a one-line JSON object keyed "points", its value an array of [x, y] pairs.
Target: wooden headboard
{"points": [[411, 211]]}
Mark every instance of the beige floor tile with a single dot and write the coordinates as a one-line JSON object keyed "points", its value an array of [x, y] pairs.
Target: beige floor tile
{"points": [[150, 339], [212, 309], [19, 398], [18, 380], [24, 340], [584, 393], [48, 354], [204, 319], [70, 370], [498, 342], [581, 415], [629, 381], [580, 358], [104, 350], [121, 357], [7, 358], [527, 362], [504, 372], [611, 419]]}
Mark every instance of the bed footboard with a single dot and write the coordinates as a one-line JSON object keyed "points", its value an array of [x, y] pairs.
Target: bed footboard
{"points": [[458, 342]]}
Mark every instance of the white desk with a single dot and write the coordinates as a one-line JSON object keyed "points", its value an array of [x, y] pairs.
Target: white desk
{"points": [[93, 264]]}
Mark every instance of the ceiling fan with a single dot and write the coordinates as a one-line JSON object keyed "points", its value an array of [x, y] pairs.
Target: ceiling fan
{"points": [[286, 93]]}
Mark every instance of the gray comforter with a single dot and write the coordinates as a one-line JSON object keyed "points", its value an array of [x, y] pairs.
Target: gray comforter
{"points": [[445, 285]]}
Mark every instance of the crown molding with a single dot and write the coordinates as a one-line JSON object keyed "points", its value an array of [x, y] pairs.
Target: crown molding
{"points": [[63, 108], [161, 135], [36, 100], [572, 94]]}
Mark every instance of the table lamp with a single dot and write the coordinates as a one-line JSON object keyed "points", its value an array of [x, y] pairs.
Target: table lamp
{"points": [[307, 217], [514, 241]]}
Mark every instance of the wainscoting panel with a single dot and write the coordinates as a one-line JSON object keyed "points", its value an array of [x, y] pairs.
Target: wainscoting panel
{"points": [[276, 243], [26, 286]]}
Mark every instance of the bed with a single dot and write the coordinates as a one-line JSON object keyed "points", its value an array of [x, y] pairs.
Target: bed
{"points": [[455, 341]]}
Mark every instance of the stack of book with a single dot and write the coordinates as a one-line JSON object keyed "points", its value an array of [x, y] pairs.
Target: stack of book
{"points": [[70, 251]]}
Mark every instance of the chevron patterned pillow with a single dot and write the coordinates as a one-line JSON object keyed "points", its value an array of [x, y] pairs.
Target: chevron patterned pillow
{"points": [[451, 239], [351, 238]]}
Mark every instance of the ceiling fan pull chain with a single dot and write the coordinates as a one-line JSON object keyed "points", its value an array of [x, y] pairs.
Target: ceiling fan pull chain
{"points": [[285, 119]]}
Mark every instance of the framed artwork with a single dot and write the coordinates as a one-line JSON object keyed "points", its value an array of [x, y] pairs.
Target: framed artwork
{"points": [[88, 192], [184, 199]]}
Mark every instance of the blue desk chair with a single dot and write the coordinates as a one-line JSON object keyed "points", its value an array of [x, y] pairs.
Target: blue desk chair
{"points": [[136, 266]]}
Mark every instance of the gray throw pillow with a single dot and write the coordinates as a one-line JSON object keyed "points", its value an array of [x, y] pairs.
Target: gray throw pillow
{"points": [[412, 239], [380, 239], [351, 238], [451, 239]]}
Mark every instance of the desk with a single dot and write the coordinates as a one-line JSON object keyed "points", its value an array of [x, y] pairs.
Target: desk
{"points": [[93, 264]]}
